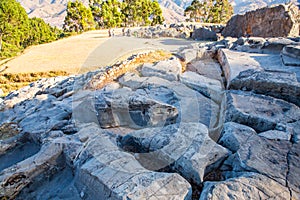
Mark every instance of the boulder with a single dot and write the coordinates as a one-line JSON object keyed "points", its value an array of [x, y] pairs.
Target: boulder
{"points": [[210, 88], [293, 181], [185, 148], [291, 55], [125, 108], [207, 67], [235, 62], [107, 172], [204, 34], [276, 135], [191, 105], [247, 186], [267, 157], [235, 135], [277, 21], [262, 113], [168, 69], [283, 85], [292, 51], [275, 45]]}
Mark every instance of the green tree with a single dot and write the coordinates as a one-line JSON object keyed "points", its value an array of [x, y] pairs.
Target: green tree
{"points": [[40, 32], [111, 13], [14, 24], [156, 14], [79, 18], [209, 11], [96, 7]]}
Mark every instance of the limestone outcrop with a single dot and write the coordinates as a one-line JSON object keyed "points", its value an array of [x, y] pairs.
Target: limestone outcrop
{"points": [[217, 122], [276, 21]]}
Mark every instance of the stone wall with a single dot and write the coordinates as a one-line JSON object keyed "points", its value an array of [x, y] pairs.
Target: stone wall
{"points": [[277, 21]]}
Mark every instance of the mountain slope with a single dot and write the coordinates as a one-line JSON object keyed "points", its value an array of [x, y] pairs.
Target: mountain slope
{"points": [[54, 11]]}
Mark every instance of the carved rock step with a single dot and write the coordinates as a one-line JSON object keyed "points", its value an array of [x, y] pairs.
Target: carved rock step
{"points": [[185, 148], [107, 172]]}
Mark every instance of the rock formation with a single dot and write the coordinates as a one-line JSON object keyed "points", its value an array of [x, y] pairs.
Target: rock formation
{"points": [[277, 21], [223, 121]]}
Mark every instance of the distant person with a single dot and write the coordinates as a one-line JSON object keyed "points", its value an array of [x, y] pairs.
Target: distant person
{"points": [[128, 32], [123, 31], [109, 32], [113, 33]]}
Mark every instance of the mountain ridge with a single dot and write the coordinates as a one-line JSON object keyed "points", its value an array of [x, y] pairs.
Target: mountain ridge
{"points": [[54, 11]]}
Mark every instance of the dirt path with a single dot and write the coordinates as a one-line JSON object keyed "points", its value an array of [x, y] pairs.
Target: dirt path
{"points": [[85, 52]]}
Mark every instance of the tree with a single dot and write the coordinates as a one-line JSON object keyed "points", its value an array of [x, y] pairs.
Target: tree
{"points": [[17, 31], [209, 11], [40, 32], [14, 24], [96, 7], [156, 14], [111, 13], [79, 18]]}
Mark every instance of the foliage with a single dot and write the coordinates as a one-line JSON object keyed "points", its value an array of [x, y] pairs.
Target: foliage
{"points": [[114, 13], [209, 11], [79, 18], [17, 31]]}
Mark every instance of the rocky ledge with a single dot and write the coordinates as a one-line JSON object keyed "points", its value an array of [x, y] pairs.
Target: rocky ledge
{"points": [[227, 127], [216, 121]]}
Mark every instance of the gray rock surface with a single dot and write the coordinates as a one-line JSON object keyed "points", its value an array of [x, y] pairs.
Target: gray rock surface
{"points": [[186, 149], [204, 34], [248, 186], [265, 22], [282, 85], [210, 88], [260, 112], [276, 135], [206, 67], [235, 135], [123, 107], [107, 172], [169, 69], [76, 136]]}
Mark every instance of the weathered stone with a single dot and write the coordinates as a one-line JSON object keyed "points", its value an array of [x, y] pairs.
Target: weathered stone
{"points": [[293, 181], [267, 157], [247, 186], [207, 67], [188, 55], [235, 135], [15, 178], [185, 148], [169, 69], [277, 21], [111, 173], [260, 112], [292, 51], [281, 85], [130, 109], [210, 88], [235, 62], [275, 45], [291, 55], [276, 135], [204, 34], [290, 61], [191, 105]]}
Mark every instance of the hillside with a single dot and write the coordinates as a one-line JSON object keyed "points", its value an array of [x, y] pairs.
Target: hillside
{"points": [[53, 11]]}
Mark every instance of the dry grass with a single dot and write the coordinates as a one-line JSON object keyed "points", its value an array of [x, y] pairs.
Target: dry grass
{"points": [[10, 82]]}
